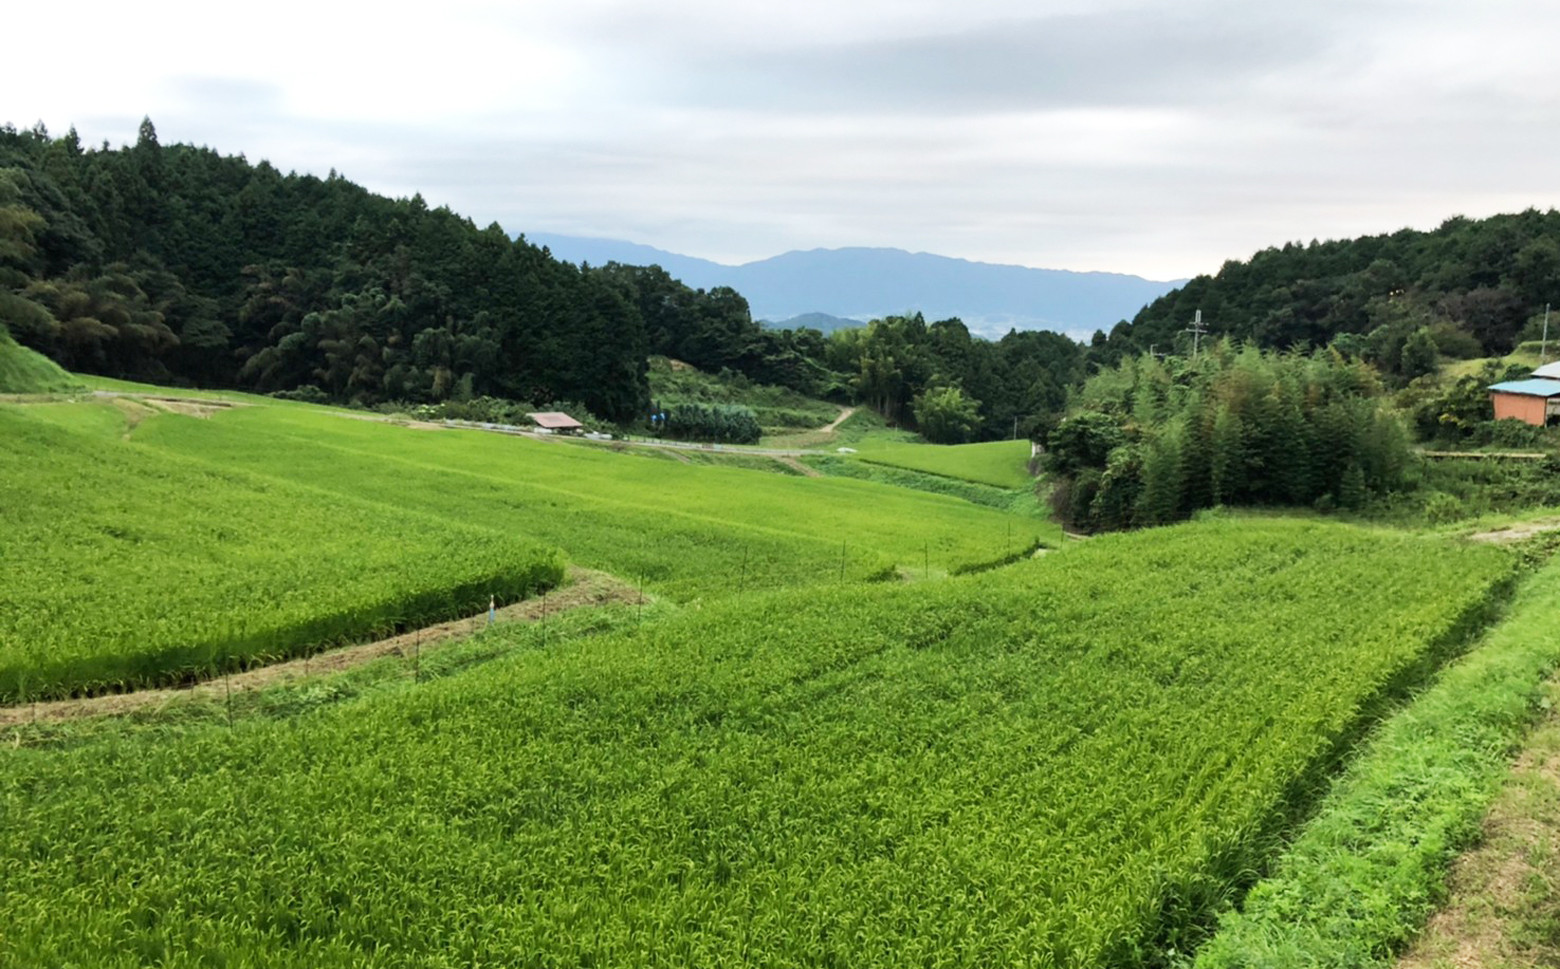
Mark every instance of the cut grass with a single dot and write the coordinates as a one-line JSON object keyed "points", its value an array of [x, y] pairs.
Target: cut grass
{"points": [[1504, 905], [1371, 866]]}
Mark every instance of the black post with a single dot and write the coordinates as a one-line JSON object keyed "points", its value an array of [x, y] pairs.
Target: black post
{"points": [[742, 586]]}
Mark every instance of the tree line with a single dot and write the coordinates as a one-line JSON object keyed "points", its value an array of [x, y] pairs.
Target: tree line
{"points": [[1468, 288], [176, 264]]}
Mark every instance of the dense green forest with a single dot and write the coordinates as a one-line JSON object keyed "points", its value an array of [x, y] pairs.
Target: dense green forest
{"points": [[1469, 288], [179, 265]]}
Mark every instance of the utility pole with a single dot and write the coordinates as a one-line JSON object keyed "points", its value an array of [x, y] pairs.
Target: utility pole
{"points": [[1196, 330], [1543, 346]]}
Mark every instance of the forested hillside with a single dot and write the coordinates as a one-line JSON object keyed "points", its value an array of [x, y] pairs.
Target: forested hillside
{"points": [[1468, 288], [179, 264]]}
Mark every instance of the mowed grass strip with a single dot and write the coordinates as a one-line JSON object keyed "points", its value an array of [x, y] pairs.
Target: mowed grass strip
{"points": [[1369, 869], [1001, 464], [689, 531], [1070, 762], [121, 566]]}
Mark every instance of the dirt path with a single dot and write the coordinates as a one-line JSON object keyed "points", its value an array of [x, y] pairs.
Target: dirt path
{"points": [[1516, 533], [1491, 455], [800, 467], [586, 589], [1504, 899], [834, 425]]}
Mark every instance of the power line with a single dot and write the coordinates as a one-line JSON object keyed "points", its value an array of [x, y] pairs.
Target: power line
{"points": [[1197, 330]]}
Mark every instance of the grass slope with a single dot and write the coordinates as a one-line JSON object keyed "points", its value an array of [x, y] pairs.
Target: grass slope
{"points": [[120, 565], [1000, 464], [1055, 764], [24, 371]]}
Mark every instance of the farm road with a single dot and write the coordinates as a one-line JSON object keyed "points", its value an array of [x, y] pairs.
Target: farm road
{"points": [[832, 426], [586, 589]]}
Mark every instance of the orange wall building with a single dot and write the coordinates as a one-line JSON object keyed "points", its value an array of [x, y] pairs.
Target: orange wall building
{"points": [[1531, 401]]}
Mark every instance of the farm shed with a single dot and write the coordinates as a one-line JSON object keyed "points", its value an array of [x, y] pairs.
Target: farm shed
{"points": [[1532, 401], [1550, 370], [556, 422]]}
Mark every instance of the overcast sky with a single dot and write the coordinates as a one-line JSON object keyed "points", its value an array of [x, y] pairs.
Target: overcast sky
{"points": [[1156, 138]]}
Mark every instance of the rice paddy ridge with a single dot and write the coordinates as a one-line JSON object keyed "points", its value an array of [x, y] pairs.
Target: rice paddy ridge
{"points": [[584, 589]]}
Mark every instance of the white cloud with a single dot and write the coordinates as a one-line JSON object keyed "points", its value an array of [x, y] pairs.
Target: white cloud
{"points": [[1152, 137]]}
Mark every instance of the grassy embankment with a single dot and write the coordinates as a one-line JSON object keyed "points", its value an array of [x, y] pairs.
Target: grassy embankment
{"points": [[1053, 764], [24, 371], [1371, 866], [778, 409]]}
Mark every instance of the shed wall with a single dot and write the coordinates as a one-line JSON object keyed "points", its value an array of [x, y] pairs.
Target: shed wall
{"points": [[1523, 407]]}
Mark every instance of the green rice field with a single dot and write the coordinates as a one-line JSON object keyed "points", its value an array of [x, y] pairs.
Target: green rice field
{"points": [[1001, 464], [163, 546], [1072, 761], [121, 566], [686, 530]]}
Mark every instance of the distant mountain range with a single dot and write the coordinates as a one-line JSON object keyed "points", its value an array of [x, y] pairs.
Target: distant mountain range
{"points": [[859, 284]]}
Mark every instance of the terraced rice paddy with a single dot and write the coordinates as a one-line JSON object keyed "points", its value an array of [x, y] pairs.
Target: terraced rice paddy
{"points": [[690, 532], [1069, 762], [122, 567], [170, 546], [1000, 464]]}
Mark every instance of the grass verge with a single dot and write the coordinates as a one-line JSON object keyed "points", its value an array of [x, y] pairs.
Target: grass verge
{"points": [[1367, 871]]}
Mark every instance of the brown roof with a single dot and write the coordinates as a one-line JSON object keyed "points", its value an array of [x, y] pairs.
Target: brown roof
{"points": [[554, 420]]}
